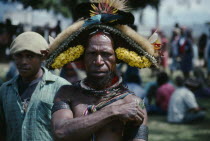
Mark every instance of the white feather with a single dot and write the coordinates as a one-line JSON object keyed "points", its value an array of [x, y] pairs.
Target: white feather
{"points": [[153, 38], [51, 40]]}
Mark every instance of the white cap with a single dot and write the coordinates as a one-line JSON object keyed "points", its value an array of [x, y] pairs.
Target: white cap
{"points": [[30, 41]]}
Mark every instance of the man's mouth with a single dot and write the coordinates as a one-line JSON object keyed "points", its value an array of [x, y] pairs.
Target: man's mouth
{"points": [[24, 69], [99, 73]]}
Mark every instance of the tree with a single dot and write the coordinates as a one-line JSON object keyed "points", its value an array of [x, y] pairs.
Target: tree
{"points": [[141, 4], [65, 7]]}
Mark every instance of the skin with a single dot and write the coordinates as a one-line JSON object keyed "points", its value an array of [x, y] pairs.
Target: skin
{"points": [[28, 65], [109, 122], [99, 61]]}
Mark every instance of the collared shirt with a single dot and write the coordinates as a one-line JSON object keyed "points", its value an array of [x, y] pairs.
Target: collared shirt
{"points": [[26, 89], [34, 125], [181, 101]]}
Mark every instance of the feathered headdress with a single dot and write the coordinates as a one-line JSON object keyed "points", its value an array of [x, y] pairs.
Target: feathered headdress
{"points": [[107, 15], [110, 12], [108, 6]]}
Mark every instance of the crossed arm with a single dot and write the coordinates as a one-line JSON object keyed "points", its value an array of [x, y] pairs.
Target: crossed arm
{"points": [[67, 127], [81, 127]]}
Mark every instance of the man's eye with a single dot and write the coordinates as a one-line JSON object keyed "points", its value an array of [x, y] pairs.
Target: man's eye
{"points": [[107, 54], [17, 55], [30, 56], [92, 53]]}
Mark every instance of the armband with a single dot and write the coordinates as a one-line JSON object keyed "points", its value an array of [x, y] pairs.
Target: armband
{"points": [[138, 132], [142, 133], [60, 105]]}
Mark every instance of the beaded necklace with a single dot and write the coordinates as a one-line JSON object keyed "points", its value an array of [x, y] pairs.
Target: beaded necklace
{"points": [[101, 93], [109, 95]]}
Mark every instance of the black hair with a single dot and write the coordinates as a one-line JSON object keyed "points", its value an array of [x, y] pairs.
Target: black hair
{"points": [[179, 81], [162, 78]]}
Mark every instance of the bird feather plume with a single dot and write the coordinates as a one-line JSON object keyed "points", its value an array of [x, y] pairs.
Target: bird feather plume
{"points": [[114, 4]]}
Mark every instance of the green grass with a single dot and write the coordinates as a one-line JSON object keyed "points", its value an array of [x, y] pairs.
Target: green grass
{"points": [[160, 130]]}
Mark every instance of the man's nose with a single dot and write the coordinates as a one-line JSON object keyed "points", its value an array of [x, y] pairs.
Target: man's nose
{"points": [[99, 60], [24, 60]]}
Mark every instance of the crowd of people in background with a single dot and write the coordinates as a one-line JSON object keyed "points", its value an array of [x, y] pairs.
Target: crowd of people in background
{"points": [[99, 79], [8, 32], [166, 95], [171, 95], [175, 99]]}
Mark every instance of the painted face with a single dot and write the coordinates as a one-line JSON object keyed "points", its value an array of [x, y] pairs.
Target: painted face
{"points": [[99, 57], [28, 63]]}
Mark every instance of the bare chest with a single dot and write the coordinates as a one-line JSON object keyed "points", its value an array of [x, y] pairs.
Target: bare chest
{"points": [[79, 106], [112, 131]]}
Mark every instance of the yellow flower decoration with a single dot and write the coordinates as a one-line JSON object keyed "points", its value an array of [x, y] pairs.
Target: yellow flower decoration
{"points": [[67, 56], [132, 58]]}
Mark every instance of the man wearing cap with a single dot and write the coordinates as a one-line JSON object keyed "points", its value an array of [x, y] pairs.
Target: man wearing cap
{"points": [[100, 107], [26, 100]]}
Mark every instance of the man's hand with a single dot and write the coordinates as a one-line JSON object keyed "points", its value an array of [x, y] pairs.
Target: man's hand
{"points": [[130, 112]]}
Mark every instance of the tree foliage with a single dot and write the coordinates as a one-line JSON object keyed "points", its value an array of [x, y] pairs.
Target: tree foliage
{"points": [[66, 7], [135, 4]]}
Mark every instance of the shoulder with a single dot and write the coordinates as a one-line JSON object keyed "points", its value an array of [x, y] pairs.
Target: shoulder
{"points": [[61, 80], [131, 98], [67, 89], [189, 93], [66, 92], [49, 76], [4, 85], [167, 85], [170, 85], [184, 90], [8, 83]]}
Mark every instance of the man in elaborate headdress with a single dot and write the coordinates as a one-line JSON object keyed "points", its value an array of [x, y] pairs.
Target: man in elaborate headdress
{"points": [[100, 107]]}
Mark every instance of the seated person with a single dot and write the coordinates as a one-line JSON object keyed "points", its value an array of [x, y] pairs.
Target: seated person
{"points": [[133, 81], [183, 107], [164, 92]]}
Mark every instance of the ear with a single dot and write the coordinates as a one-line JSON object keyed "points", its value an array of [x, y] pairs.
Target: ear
{"points": [[51, 40], [45, 53]]}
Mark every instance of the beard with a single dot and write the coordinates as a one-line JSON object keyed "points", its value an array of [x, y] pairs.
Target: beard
{"points": [[101, 83]]}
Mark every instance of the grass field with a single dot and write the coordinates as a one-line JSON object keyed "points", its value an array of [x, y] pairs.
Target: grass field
{"points": [[160, 130]]}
